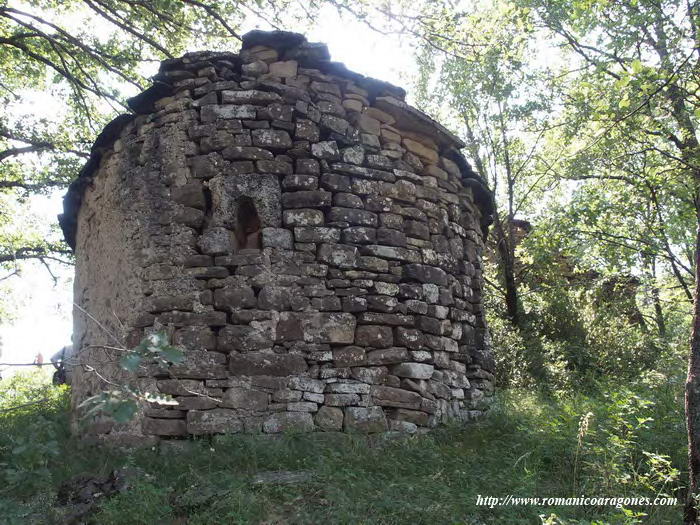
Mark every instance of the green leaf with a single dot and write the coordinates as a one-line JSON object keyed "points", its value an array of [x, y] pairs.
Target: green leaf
{"points": [[123, 411], [130, 362], [637, 66], [172, 354]]}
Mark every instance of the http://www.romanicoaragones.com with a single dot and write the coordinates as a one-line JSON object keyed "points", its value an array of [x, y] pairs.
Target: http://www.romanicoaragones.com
{"points": [[618, 502]]}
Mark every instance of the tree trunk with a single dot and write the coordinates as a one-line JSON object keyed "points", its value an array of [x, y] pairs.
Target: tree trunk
{"points": [[506, 255], [649, 263], [655, 296], [692, 400]]}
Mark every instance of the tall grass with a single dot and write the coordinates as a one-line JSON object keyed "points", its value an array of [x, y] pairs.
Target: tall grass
{"points": [[531, 445]]}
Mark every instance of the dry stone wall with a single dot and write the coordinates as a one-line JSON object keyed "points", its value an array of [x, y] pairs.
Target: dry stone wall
{"points": [[311, 241]]}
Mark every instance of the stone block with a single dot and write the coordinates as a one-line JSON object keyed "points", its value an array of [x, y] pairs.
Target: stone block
{"points": [[273, 166], [374, 336], [327, 150], [302, 406], [409, 337], [349, 356], [392, 252], [318, 234], [271, 138], [216, 421], [279, 238], [316, 327], [368, 124], [388, 356], [335, 182], [307, 130], [234, 297], [338, 255], [164, 427], [413, 370], [245, 399], [190, 194], [286, 68], [246, 153], [250, 96], [365, 420], [306, 199], [216, 241], [371, 375], [352, 216], [342, 400], [329, 419], [303, 217], [288, 422], [212, 113], [181, 387], [274, 297], [307, 384], [395, 397], [266, 364], [300, 182]]}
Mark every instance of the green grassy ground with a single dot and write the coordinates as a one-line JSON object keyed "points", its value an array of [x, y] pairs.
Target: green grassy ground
{"points": [[631, 444]]}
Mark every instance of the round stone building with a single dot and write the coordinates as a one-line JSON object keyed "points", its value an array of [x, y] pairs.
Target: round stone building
{"points": [[310, 241]]}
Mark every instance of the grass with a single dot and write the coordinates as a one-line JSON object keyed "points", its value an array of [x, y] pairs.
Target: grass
{"points": [[528, 446]]}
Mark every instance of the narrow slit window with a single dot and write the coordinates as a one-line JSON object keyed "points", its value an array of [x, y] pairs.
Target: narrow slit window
{"points": [[248, 226]]}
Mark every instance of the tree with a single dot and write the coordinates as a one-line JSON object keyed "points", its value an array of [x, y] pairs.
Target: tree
{"points": [[501, 98], [637, 79], [68, 68]]}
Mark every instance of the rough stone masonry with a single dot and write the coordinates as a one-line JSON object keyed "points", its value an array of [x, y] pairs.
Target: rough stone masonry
{"points": [[311, 241]]}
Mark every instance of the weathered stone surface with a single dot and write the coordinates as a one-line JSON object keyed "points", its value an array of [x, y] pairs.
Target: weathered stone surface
{"points": [[251, 96], [277, 238], [342, 400], [164, 427], [216, 241], [310, 241], [230, 193], [388, 356], [287, 68], [266, 364], [395, 397], [413, 370], [234, 297], [410, 338], [316, 234], [329, 418], [307, 384], [216, 421], [374, 336], [338, 255], [246, 153], [271, 138], [314, 327], [367, 124], [244, 339], [288, 422], [306, 199], [349, 356], [365, 420], [326, 150], [392, 252], [303, 217], [245, 399]]}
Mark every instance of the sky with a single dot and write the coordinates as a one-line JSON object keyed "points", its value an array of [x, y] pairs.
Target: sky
{"points": [[42, 309]]}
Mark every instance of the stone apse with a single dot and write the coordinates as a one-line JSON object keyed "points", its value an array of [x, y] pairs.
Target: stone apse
{"points": [[310, 241]]}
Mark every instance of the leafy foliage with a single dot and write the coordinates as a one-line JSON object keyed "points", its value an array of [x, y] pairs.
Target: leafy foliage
{"points": [[122, 402]]}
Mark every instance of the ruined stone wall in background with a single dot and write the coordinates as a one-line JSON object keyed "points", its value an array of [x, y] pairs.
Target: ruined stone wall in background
{"points": [[311, 241]]}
